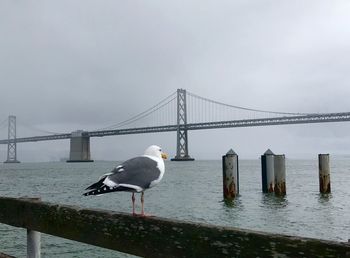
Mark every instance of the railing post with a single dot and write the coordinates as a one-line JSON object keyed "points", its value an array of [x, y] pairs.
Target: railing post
{"points": [[33, 244], [33, 237]]}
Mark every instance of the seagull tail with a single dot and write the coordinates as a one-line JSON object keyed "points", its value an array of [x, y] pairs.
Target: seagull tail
{"points": [[96, 185], [105, 189], [99, 190], [88, 193], [93, 192]]}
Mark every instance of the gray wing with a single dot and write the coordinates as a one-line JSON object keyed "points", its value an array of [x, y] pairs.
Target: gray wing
{"points": [[139, 171]]}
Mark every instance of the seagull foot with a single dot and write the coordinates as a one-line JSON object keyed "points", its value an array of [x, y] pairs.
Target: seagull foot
{"points": [[144, 215]]}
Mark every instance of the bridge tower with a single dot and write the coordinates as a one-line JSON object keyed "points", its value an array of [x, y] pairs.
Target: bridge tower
{"points": [[182, 139], [11, 145]]}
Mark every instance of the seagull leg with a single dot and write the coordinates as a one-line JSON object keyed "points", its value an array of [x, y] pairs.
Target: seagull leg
{"points": [[143, 214], [142, 204], [133, 204]]}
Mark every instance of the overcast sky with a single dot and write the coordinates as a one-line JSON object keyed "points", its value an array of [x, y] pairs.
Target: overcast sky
{"points": [[67, 65]]}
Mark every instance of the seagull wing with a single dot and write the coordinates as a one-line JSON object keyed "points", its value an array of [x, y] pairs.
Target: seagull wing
{"points": [[139, 171], [134, 175]]}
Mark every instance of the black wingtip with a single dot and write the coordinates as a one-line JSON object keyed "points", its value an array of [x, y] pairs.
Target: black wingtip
{"points": [[96, 185], [93, 192]]}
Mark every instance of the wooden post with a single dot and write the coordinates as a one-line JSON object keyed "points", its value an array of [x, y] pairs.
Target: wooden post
{"points": [[230, 175], [324, 173], [267, 171], [280, 174]]}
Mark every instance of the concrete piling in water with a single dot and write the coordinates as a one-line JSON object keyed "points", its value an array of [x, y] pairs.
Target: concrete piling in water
{"points": [[324, 173], [267, 171], [230, 175], [280, 174]]}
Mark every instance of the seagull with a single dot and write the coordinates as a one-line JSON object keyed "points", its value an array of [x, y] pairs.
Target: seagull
{"points": [[134, 175]]}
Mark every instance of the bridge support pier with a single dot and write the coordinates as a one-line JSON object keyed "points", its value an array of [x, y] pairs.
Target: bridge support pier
{"points": [[80, 147], [182, 142]]}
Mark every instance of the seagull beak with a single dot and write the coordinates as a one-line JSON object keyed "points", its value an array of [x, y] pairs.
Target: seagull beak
{"points": [[164, 155]]}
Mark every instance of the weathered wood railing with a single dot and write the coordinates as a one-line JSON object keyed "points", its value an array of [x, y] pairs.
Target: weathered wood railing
{"points": [[158, 237]]}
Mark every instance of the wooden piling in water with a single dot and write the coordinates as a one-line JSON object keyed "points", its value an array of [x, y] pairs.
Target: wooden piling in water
{"points": [[267, 171], [230, 175], [324, 173], [280, 174]]}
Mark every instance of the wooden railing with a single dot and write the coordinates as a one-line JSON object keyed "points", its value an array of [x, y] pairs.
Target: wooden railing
{"points": [[157, 237]]}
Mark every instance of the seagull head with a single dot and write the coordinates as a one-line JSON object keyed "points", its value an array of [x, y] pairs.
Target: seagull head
{"points": [[155, 151]]}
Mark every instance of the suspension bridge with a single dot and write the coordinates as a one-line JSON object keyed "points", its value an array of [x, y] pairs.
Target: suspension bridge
{"points": [[179, 112]]}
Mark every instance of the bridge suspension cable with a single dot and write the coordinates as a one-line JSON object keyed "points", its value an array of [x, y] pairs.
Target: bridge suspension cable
{"points": [[4, 124], [244, 108], [21, 123], [199, 109], [165, 102]]}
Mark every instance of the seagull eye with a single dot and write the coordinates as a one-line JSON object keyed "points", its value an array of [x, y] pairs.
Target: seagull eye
{"points": [[160, 149]]}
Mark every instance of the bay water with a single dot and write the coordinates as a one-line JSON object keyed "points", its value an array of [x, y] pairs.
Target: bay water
{"points": [[189, 191]]}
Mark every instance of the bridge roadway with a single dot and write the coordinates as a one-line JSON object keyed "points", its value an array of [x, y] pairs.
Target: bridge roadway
{"points": [[304, 119]]}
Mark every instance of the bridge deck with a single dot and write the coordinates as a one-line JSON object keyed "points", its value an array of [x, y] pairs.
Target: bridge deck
{"points": [[305, 119]]}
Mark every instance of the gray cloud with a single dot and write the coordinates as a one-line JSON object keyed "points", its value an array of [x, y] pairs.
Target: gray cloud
{"points": [[67, 65]]}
